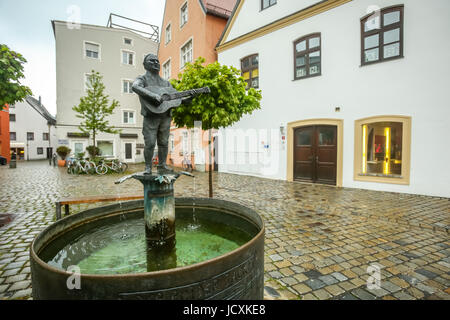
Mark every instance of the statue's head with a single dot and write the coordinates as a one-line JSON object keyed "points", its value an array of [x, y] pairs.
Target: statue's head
{"points": [[151, 63]]}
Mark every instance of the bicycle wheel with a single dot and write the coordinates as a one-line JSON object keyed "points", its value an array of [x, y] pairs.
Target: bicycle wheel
{"points": [[90, 167], [123, 167], [76, 170], [114, 167], [101, 169]]}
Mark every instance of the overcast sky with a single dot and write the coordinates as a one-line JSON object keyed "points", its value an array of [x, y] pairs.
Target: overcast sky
{"points": [[25, 27]]}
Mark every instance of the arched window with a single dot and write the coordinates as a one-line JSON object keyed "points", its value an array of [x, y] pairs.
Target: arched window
{"points": [[250, 71], [382, 35], [307, 56]]}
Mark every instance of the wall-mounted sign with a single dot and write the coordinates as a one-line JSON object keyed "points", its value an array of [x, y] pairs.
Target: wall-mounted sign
{"points": [[63, 142]]}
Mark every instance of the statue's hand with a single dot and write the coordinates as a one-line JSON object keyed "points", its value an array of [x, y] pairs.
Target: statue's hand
{"points": [[157, 98]]}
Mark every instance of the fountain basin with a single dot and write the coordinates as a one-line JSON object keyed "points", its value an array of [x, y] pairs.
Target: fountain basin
{"points": [[238, 274]]}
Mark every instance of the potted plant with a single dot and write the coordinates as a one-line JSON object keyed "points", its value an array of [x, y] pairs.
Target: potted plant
{"points": [[62, 152], [93, 151]]}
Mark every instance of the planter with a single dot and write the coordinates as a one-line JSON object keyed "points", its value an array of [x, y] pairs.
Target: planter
{"points": [[61, 163]]}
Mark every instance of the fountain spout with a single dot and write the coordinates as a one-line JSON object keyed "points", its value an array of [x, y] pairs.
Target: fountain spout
{"points": [[159, 215]]}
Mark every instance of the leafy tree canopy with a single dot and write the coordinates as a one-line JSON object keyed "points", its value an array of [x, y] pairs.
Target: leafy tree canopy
{"points": [[94, 109], [11, 71], [226, 104]]}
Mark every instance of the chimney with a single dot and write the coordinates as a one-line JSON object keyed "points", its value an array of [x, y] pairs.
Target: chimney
{"points": [[40, 100]]}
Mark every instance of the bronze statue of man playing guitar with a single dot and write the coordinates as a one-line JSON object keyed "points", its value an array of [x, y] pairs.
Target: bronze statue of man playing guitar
{"points": [[158, 97]]}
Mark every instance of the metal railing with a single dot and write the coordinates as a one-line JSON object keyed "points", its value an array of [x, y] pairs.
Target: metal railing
{"points": [[152, 32]]}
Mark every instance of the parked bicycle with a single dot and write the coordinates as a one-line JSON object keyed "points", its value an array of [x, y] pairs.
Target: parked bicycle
{"points": [[114, 165], [186, 163], [80, 167]]}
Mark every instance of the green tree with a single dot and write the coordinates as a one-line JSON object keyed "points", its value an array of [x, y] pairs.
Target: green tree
{"points": [[226, 104], [11, 71], [94, 108]]}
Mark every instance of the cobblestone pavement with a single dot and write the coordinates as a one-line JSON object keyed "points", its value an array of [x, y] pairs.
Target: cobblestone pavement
{"points": [[320, 240]]}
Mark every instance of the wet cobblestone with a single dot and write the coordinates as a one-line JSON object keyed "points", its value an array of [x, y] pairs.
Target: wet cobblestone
{"points": [[320, 240]]}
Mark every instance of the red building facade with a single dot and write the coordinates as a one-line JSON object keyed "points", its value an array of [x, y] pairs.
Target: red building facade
{"points": [[4, 133], [191, 29]]}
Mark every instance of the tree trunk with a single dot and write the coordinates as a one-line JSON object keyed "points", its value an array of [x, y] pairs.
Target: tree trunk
{"points": [[93, 142], [210, 167]]}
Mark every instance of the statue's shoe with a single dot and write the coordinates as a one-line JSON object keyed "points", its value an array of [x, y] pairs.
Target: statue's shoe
{"points": [[148, 170], [164, 169]]}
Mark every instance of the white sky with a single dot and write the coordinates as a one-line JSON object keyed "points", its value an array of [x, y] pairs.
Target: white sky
{"points": [[25, 27]]}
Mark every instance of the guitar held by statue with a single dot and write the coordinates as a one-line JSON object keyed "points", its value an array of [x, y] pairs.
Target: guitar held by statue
{"points": [[171, 98]]}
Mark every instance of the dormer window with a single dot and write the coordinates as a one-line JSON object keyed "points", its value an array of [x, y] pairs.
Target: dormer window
{"points": [[267, 3]]}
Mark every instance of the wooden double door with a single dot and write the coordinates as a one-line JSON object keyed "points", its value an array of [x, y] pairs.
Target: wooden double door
{"points": [[315, 154]]}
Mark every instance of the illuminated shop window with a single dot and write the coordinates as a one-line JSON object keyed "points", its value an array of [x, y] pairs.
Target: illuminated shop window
{"points": [[382, 149]]}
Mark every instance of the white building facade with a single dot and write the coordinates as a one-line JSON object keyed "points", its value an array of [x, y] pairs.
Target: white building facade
{"points": [[350, 96], [32, 130], [117, 54]]}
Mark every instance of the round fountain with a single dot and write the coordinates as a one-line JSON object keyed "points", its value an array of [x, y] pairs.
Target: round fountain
{"points": [[159, 248]]}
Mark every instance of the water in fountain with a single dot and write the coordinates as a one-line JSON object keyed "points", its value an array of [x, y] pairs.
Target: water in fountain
{"points": [[121, 247]]}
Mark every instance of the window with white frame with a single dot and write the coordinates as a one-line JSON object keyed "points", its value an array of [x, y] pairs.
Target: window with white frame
{"points": [[106, 148], [184, 14], [186, 53], [167, 70], [127, 57], [185, 142], [126, 86], [128, 41], [168, 33], [92, 50], [171, 143], [78, 147], [128, 117], [196, 139]]}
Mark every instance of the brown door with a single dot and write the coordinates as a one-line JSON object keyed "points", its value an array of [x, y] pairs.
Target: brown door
{"points": [[315, 154]]}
